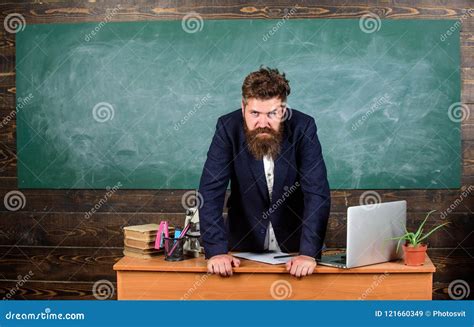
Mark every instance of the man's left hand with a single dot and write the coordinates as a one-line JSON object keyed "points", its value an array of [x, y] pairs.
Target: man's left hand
{"points": [[301, 265]]}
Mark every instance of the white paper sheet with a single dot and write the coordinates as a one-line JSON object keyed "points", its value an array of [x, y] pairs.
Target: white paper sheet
{"points": [[263, 257]]}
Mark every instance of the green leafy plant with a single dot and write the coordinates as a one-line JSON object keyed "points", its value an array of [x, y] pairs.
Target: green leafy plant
{"points": [[415, 238]]}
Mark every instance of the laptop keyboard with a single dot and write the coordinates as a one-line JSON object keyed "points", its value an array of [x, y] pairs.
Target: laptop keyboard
{"points": [[341, 260]]}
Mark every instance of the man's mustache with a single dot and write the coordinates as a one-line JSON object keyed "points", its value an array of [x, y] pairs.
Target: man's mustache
{"points": [[263, 130]]}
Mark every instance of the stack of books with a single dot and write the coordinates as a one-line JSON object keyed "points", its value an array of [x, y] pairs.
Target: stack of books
{"points": [[139, 241]]}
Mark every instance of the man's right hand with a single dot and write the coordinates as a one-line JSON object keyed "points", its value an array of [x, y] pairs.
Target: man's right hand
{"points": [[221, 264]]}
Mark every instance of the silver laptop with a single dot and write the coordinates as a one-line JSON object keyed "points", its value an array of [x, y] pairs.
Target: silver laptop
{"points": [[369, 229]]}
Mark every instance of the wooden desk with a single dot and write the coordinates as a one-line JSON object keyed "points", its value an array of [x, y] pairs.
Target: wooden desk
{"points": [[141, 279]]}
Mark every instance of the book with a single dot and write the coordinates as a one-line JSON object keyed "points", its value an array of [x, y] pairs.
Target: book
{"points": [[140, 255], [139, 241], [143, 251], [145, 232], [139, 244]]}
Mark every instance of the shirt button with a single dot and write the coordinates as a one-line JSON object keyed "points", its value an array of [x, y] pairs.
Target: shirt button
{"points": [[262, 231]]}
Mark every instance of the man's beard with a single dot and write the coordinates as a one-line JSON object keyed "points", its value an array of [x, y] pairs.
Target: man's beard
{"points": [[259, 146]]}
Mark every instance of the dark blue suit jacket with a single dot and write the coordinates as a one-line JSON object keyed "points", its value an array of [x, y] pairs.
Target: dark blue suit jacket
{"points": [[300, 204]]}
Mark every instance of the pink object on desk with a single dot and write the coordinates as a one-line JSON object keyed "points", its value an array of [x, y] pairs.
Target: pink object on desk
{"points": [[183, 233], [162, 232]]}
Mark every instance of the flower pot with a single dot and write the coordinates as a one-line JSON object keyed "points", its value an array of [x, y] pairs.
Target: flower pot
{"points": [[414, 256]]}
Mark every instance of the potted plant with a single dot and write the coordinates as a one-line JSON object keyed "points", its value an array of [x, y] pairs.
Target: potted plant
{"points": [[414, 249]]}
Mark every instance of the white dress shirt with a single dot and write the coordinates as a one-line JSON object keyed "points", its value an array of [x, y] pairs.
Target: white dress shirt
{"points": [[271, 242]]}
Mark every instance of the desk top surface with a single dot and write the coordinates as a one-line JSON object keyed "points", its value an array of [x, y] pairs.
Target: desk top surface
{"points": [[247, 266]]}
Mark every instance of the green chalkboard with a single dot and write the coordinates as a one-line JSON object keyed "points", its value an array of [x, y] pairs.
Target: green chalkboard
{"points": [[136, 103]]}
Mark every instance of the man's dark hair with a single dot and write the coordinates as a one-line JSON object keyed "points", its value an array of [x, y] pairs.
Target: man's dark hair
{"points": [[264, 84]]}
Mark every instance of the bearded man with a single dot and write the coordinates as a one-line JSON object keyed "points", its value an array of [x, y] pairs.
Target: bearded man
{"points": [[279, 198]]}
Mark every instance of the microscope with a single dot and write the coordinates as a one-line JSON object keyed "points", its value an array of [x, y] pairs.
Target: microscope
{"points": [[192, 246]]}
